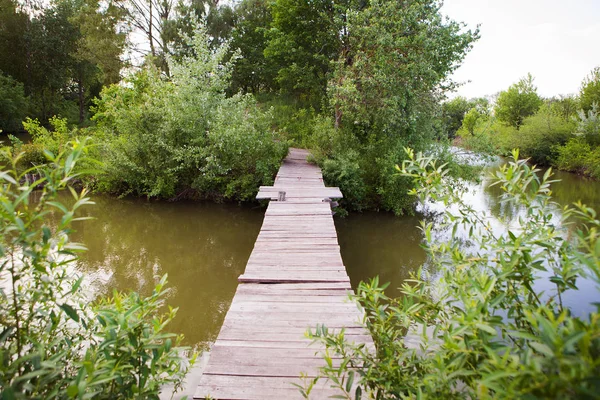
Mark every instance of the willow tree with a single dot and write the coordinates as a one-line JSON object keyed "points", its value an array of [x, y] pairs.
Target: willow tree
{"points": [[385, 89]]}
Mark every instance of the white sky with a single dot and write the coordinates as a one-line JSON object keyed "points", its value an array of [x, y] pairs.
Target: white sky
{"points": [[558, 41]]}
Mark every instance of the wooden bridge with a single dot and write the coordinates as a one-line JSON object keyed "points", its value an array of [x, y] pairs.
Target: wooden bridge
{"points": [[294, 280]]}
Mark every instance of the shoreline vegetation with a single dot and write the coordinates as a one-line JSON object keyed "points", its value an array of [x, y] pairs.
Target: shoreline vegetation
{"points": [[221, 92], [561, 132]]}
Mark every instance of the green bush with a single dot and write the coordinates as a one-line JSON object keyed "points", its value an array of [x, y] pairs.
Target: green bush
{"points": [[578, 156], [56, 342], [540, 134], [481, 329], [183, 136]]}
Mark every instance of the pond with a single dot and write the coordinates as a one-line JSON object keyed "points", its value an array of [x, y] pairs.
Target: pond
{"points": [[204, 247]]}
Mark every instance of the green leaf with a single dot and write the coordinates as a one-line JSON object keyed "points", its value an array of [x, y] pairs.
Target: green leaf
{"points": [[542, 348], [350, 381], [70, 311]]}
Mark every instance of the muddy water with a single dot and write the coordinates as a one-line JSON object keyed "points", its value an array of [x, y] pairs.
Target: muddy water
{"points": [[204, 248]]}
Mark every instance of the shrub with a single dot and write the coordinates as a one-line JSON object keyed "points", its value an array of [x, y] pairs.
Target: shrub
{"points": [[540, 134], [171, 137], [55, 342], [578, 156], [481, 328]]}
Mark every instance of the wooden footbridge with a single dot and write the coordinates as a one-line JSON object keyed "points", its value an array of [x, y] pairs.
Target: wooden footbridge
{"points": [[294, 280]]}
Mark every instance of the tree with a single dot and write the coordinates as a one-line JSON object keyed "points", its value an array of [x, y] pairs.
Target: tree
{"points": [[564, 106], [14, 24], [590, 90], [384, 93], [98, 52], [518, 102], [303, 40], [13, 104], [252, 71], [470, 120], [453, 112]]}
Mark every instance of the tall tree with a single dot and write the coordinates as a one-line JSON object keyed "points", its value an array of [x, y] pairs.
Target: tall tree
{"points": [[98, 54], [13, 25], [252, 71], [400, 55], [303, 40], [590, 90], [518, 102]]}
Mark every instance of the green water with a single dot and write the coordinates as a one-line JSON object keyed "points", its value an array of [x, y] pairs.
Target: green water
{"points": [[204, 248]]}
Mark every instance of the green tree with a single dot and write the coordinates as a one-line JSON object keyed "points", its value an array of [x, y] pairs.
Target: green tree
{"points": [[564, 106], [13, 54], [97, 57], [252, 71], [470, 120], [13, 104], [384, 94], [303, 40], [453, 112], [518, 102], [183, 136], [590, 90]]}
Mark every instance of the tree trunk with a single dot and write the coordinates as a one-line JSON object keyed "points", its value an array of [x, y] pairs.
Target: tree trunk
{"points": [[81, 100]]}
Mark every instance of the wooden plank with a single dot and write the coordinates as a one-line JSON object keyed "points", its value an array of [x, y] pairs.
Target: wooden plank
{"points": [[294, 281]]}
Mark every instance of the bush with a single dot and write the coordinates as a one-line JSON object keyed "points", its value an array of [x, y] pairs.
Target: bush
{"points": [[182, 136], [578, 156], [540, 134], [482, 330], [538, 137], [55, 342]]}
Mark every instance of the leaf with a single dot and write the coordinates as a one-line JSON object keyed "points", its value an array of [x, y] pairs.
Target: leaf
{"points": [[70, 311], [350, 381], [542, 348]]}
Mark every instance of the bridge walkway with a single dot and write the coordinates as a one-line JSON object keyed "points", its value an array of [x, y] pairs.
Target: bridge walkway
{"points": [[295, 279]]}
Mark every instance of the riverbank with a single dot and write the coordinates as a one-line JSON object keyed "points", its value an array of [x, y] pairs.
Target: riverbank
{"points": [[546, 140]]}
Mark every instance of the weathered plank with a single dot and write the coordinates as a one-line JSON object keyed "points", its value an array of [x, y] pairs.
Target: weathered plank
{"points": [[295, 279]]}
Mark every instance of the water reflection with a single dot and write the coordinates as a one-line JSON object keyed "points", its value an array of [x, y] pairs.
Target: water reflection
{"points": [[380, 244], [203, 248]]}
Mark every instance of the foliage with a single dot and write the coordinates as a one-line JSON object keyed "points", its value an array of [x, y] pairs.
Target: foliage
{"points": [[564, 106], [590, 90], [539, 137], [518, 102], [62, 52], [183, 136], [302, 41], [455, 111], [578, 156], [13, 103], [588, 124], [470, 120], [54, 342], [252, 72], [482, 329], [384, 95]]}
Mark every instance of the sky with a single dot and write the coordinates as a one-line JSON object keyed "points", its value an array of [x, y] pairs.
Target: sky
{"points": [[557, 41]]}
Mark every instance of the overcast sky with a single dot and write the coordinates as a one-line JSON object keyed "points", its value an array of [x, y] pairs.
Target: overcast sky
{"points": [[558, 41]]}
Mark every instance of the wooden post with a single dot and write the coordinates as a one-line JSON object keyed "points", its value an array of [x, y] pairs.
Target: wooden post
{"points": [[281, 196]]}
